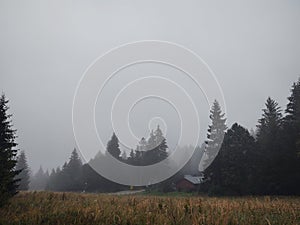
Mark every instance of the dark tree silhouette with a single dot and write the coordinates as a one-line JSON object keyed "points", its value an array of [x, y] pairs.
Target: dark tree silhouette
{"points": [[156, 148], [69, 178], [290, 166], [24, 175], [269, 152], [230, 172], [264, 162], [73, 172], [192, 166], [74, 165], [161, 144], [113, 146], [270, 123], [131, 158], [8, 183]]}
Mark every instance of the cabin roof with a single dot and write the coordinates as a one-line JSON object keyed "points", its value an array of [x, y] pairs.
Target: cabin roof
{"points": [[193, 179]]}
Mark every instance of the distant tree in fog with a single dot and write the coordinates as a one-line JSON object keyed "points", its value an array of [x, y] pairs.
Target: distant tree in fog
{"points": [[69, 178], [24, 175], [113, 146], [149, 151], [39, 180], [215, 133]]}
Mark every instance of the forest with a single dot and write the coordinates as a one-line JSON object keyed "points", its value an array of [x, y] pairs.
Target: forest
{"points": [[264, 162]]}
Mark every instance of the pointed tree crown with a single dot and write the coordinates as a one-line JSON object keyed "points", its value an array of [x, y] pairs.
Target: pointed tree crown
{"points": [[113, 146], [293, 107], [271, 119]]}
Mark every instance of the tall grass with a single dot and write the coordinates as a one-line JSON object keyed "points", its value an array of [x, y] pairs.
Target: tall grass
{"points": [[72, 208]]}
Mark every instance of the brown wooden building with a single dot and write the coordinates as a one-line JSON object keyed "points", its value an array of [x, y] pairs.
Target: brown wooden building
{"points": [[189, 183]]}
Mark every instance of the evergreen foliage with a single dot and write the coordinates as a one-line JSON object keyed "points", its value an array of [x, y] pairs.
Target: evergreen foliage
{"points": [[8, 153], [24, 175], [215, 133], [263, 162], [113, 146]]}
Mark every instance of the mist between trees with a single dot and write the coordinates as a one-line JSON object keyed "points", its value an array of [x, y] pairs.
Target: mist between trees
{"points": [[237, 162]]}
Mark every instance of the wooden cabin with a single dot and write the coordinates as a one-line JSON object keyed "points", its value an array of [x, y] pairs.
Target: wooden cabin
{"points": [[189, 183]]}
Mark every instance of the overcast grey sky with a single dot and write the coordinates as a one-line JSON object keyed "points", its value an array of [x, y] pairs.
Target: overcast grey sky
{"points": [[45, 46]]}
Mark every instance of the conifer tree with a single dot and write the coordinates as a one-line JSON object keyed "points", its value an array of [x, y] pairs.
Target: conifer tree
{"points": [[270, 122], [290, 164], [215, 133], [131, 158], [8, 152], [24, 175], [161, 144], [74, 164], [230, 172], [156, 148], [269, 153], [113, 146], [73, 172]]}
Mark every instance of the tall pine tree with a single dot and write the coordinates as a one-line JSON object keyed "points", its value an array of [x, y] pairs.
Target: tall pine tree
{"points": [[8, 152], [73, 172], [291, 138], [269, 149], [215, 133]]}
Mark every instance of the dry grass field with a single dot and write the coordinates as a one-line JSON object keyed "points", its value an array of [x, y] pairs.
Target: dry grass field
{"points": [[74, 208]]}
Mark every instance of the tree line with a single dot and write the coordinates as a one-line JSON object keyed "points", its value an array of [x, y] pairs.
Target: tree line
{"points": [[266, 163], [76, 176], [237, 162]]}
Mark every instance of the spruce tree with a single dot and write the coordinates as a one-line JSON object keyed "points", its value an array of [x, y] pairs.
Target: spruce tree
{"points": [[113, 146], [74, 164], [8, 152], [73, 172], [131, 159], [161, 144], [269, 150], [215, 133], [156, 148], [290, 137], [230, 172], [24, 175], [270, 122], [293, 107]]}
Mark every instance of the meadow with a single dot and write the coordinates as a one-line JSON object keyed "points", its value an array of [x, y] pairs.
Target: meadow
{"points": [[75, 208]]}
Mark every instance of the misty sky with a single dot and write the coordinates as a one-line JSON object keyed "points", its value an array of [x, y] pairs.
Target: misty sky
{"points": [[45, 46]]}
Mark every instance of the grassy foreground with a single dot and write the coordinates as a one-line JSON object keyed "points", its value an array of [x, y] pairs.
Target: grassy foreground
{"points": [[72, 208]]}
